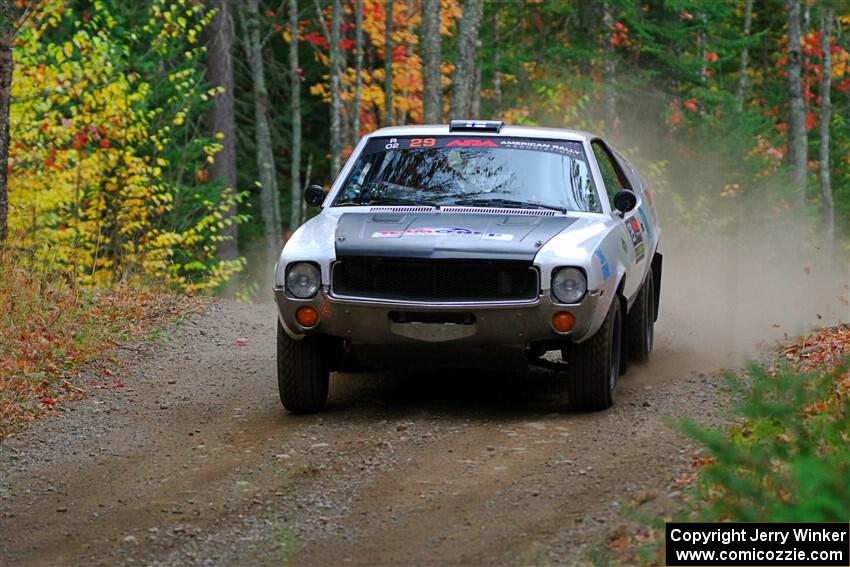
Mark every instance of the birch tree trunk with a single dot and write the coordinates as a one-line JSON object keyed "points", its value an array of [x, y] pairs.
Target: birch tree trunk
{"points": [[825, 118], [358, 69], [475, 107], [463, 80], [295, 110], [269, 196], [432, 97], [388, 63], [497, 64], [745, 55], [609, 69], [219, 73], [797, 146], [336, 99]]}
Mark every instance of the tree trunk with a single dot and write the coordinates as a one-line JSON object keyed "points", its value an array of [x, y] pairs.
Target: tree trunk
{"points": [[269, 196], [703, 67], [7, 64], [432, 95], [586, 24], [797, 142], [358, 70], [463, 80], [295, 110], [825, 118], [336, 99], [475, 108], [609, 69], [219, 73], [388, 63], [745, 55], [497, 64]]}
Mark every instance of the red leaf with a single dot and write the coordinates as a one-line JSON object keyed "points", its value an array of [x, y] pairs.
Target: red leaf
{"points": [[811, 120], [47, 401], [79, 140], [316, 39]]}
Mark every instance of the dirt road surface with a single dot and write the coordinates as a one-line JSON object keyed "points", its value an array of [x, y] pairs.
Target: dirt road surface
{"points": [[194, 462]]}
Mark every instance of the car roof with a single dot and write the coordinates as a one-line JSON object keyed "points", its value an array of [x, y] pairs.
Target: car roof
{"points": [[506, 130]]}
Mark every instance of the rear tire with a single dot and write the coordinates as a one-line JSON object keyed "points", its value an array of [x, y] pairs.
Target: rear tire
{"points": [[594, 365], [640, 323], [302, 372]]}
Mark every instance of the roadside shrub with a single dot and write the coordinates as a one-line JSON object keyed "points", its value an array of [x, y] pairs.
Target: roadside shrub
{"points": [[107, 166], [790, 459], [787, 459]]}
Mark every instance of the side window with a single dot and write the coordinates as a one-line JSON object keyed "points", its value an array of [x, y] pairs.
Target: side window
{"points": [[610, 176], [635, 182]]}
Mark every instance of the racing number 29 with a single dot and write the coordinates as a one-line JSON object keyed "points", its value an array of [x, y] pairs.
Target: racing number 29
{"points": [[422, 142]]}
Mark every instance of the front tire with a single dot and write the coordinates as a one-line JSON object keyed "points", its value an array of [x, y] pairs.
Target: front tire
{"points": [[302, 372], [594, 365], [640, 323]]}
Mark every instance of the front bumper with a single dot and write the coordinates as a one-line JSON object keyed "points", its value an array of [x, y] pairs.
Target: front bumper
{"points": [[372, 322]]}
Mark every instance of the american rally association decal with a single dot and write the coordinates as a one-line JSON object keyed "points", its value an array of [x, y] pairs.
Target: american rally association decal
{"points": [[637, 238], [442, 231], [560, 147]]}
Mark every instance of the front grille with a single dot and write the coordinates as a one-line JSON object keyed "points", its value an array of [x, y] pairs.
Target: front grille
{"points": [[434, 280]]}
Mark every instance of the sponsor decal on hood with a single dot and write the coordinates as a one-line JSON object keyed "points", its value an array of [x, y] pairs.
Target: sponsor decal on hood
{"points": [[446, 235], [442, 231]]}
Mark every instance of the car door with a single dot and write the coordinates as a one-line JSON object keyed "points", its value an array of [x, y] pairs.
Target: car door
{"points": [[633, 232]]}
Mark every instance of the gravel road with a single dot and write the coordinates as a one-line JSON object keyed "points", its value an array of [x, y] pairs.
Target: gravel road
{"points": [[194, 462]]}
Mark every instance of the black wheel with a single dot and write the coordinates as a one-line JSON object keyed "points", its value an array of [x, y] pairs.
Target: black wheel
{"points": [[302, 372], [593, 366], [640, 323]]}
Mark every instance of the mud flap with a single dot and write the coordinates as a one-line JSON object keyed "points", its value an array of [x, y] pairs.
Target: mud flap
{"points": [[624, 343], [656, 278]]}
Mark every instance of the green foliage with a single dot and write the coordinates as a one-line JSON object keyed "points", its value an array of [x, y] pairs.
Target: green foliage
{"points": [[107, 176], [789, 461]]}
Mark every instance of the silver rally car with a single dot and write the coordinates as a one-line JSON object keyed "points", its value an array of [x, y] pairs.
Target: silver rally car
{"points": [[472, 244]]}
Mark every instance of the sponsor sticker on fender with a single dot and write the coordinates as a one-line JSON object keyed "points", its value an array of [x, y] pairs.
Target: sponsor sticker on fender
{"points": [[442, 231]]}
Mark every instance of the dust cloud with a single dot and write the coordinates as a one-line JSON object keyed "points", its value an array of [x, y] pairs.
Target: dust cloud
{"points": [[745, 266], [727, 297]]}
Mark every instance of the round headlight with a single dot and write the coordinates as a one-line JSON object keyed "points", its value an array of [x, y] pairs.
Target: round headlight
{"points": [[303, 280], [569, 285]]}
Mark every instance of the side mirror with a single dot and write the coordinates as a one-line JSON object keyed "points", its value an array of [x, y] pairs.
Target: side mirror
{"points": [[314, 195], [625, 200]]}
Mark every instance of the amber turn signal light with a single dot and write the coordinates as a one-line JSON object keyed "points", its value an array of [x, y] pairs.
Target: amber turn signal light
{"points": [[563, 321], [307, 316]]}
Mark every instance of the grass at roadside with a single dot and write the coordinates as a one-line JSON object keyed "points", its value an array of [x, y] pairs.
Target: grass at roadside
{"points": [[50, 329], [787, 459]]}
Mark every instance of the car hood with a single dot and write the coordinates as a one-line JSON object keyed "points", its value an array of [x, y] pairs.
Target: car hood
{"points": [[446, 235]]}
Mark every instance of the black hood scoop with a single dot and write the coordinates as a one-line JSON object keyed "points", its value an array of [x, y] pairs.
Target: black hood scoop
{"points": [[446, 236]]}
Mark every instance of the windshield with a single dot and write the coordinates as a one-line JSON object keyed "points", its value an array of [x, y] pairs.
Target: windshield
{"points": [[464, 170]]}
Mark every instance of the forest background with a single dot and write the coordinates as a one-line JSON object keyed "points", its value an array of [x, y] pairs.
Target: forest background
{"points": [[169, 142]]}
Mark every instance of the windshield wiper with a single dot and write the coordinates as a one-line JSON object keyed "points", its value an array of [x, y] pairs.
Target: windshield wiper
{"points": [[388, 203], [510, 203], [401, 203]]}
